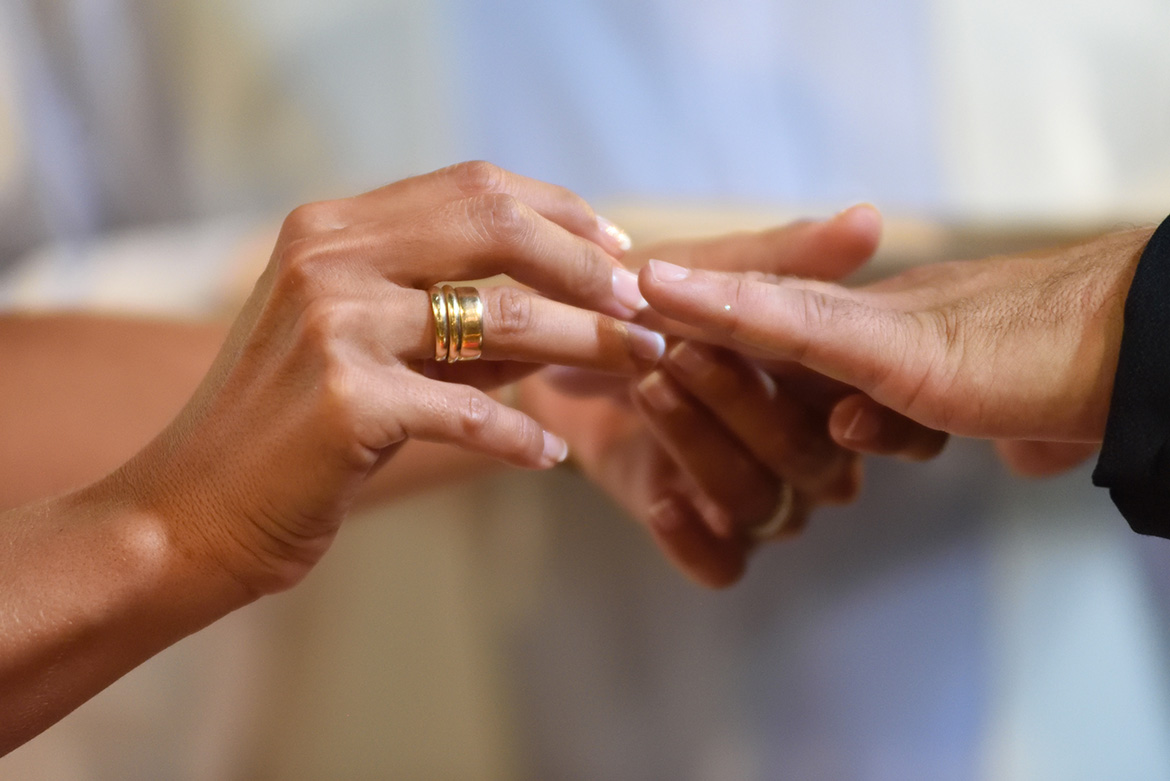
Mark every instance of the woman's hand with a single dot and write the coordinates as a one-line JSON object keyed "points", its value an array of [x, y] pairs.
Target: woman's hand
{"points": [[1019, 348], [330, 367], [713, 442]]}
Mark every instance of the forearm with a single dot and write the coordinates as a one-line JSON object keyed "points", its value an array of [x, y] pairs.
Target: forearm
{"points": [[90, 587]]}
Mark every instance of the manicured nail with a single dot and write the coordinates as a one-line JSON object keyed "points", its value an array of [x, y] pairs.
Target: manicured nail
{"points": [[619, 236], [646, 344], [691, 361], [625, 289], [863, 427], [556, 450], [658, 394], [667, 272]]}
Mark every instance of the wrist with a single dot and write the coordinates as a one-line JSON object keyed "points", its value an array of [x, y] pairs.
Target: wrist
{"points": [[90, 587], [167, 567]]}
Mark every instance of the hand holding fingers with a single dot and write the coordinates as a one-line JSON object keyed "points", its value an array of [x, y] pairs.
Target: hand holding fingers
{"points": [[320, 380], [1013, 347]]}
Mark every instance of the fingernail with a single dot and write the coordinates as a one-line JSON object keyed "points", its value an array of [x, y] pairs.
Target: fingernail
{"points": [[863, 427], [691, 361], [717, 519], [657, 392], [666, 517], [645, 344], [625, 289], [667, 272], [870, 214], [619, 236], [556, 450]]}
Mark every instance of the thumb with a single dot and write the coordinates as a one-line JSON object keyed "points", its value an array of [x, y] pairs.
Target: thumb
{"points": [[825, 327]]}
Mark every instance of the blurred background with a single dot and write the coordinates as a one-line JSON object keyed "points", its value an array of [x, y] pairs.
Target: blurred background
{"points": [[956, 623]]}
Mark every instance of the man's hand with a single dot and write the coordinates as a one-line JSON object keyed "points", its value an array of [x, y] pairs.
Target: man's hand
{"points": [[701, 448], [1019, 348]]}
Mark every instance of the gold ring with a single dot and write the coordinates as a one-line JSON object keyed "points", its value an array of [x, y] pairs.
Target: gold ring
{"points": [[471, 324], [442, 333], [458, 318], [454, 323], [785, 507]]}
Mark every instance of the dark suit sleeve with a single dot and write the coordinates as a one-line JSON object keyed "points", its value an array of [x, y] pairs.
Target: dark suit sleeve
{"points": [[1135, 458]]}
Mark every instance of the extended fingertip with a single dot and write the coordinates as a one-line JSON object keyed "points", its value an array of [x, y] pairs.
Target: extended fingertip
{"points": [[863, 220], [556, 450], [692, 361], [666, 517], [662, 271], [625, 290], [657, 391], [861, 427], [645, 344], [619, 238]]}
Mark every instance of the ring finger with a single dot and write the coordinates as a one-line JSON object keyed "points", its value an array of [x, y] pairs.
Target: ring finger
{"points": [[742, 492], [786, 435], [521, 326]]}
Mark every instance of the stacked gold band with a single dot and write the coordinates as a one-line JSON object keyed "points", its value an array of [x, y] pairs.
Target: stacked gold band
{"points": [[458, 315]]}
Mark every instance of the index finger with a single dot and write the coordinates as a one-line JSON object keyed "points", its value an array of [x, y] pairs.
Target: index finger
{"points": [[824, 327], [478, 178]]}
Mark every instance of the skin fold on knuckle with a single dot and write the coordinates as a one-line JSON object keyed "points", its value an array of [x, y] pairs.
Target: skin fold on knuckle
{"points": [[498, 221], [747, 296], [482, 421], [476, 415], [589, 271], [301, 269], [510, 315]]}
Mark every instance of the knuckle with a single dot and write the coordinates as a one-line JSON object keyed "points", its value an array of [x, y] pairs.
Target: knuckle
{"points": [[355, 440], [323, 323], [575, 204], [299, 267], [477, 413], [477, 177], [591, 269], [510, 312], [815, 311], [310, 218], [500, 219]]}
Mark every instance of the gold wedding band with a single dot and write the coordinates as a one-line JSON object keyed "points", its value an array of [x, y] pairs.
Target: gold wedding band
{"points": [[785, 507], [458, 316], [471, 323], [442, 333]]}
